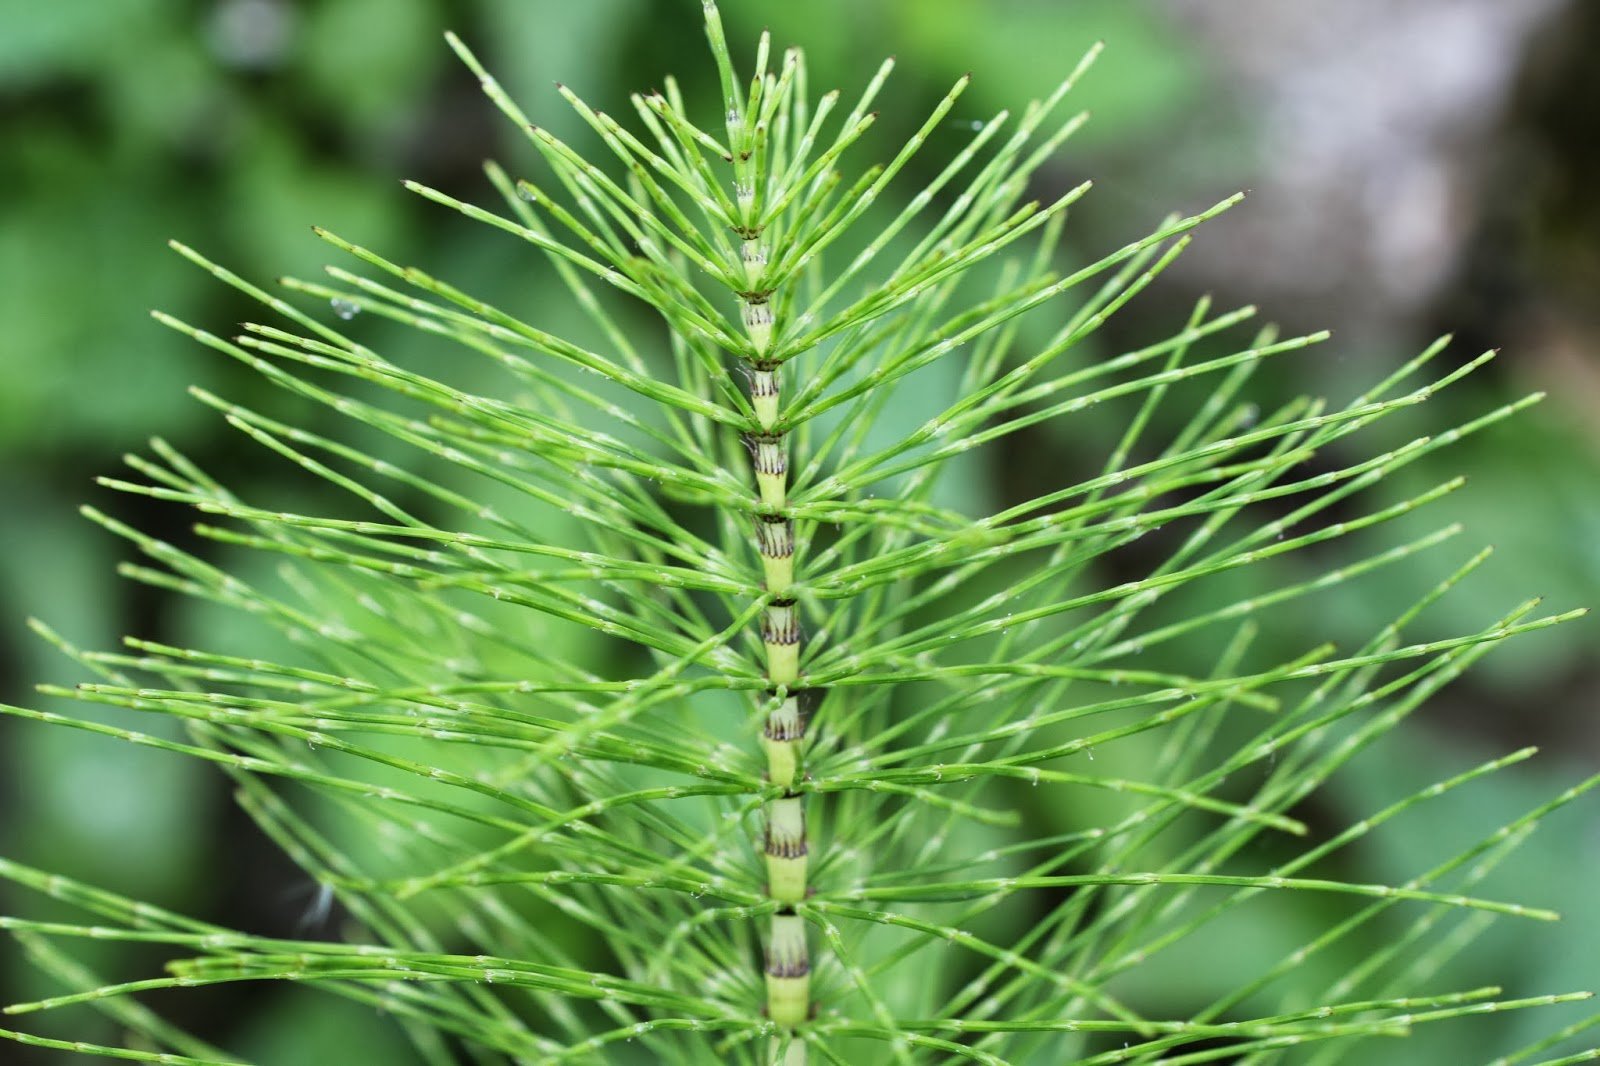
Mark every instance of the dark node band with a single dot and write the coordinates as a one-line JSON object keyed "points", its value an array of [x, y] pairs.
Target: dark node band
{"points": [[789, 967], [775, 536]]}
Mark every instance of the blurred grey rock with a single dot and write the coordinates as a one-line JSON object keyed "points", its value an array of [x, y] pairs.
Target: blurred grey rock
{"points": [[252, 34], [1372, 121]]}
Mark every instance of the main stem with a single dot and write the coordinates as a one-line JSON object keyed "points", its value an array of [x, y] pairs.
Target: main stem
{"points": [[788, 960]]}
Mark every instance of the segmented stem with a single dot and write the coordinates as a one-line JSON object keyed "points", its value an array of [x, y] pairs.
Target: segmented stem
{"points": [[788, 959], [788, 976]]}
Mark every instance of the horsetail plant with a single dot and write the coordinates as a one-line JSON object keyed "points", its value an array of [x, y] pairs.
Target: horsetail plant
{"points": [[778, 824]]}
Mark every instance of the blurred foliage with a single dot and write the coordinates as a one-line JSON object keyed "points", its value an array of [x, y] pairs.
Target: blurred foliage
{"points": [[235, 124]]}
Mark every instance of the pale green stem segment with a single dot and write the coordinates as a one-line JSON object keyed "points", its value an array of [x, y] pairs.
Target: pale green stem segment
{"points": [[788, 971], [780, 632], [770, 452], [764, 394], [786, 849], [775, 543], [781, 738]]}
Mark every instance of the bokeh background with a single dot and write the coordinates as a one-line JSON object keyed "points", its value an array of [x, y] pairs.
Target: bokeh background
{"points": [[1416, 169]]}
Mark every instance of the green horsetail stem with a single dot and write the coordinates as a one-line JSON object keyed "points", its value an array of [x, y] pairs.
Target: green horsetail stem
{"points": [[785, 846]]}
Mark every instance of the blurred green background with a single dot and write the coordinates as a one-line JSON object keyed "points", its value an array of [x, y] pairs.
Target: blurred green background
{"points": [[1414, 172]]}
